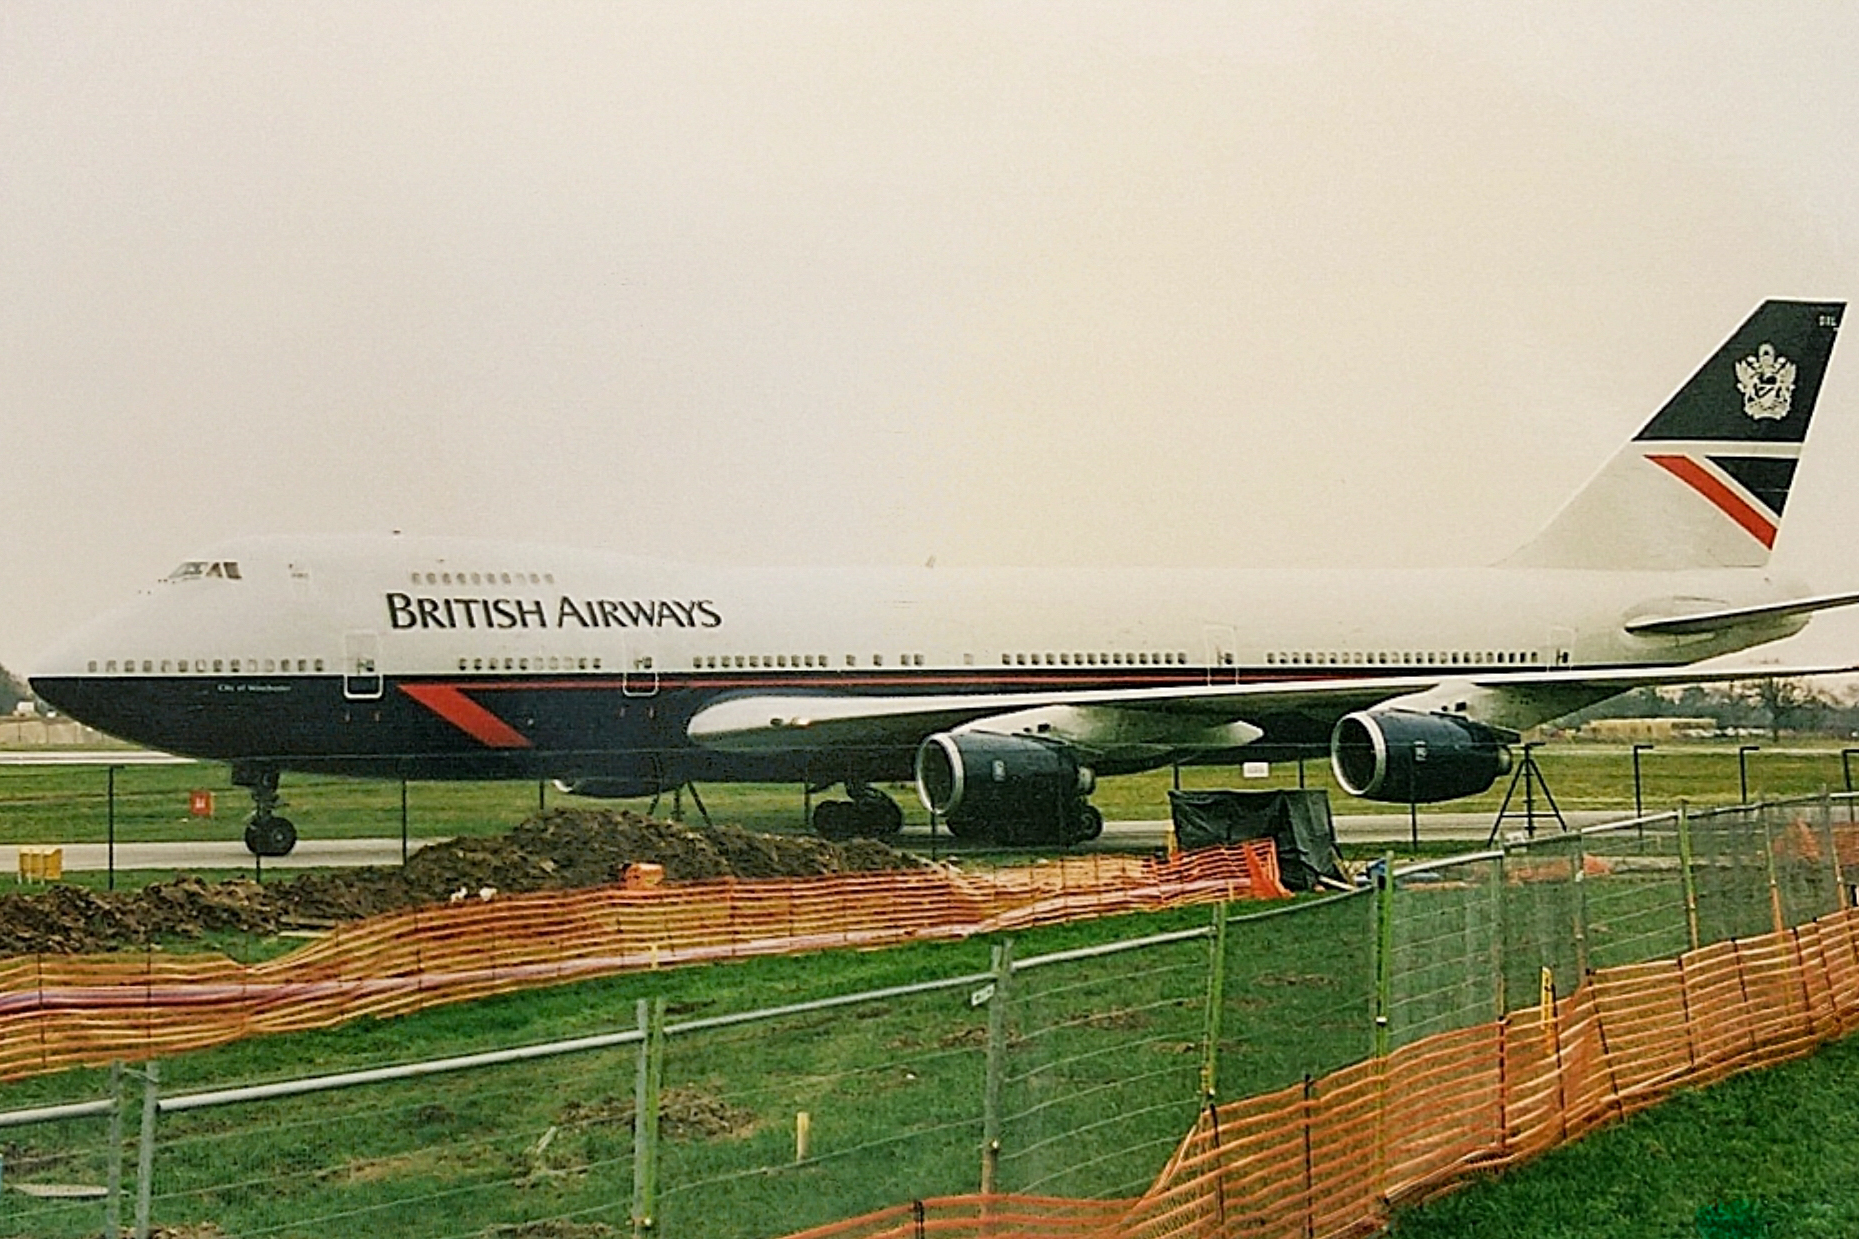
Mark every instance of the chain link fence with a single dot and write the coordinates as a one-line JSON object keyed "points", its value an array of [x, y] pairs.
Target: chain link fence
{"points": [[1074, 1075]]}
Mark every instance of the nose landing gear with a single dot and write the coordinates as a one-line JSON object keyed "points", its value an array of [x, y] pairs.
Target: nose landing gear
{"points": [[266, 834]]}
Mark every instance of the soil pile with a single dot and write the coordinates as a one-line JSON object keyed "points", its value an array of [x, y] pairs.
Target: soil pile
{"points": [[557, 850]]}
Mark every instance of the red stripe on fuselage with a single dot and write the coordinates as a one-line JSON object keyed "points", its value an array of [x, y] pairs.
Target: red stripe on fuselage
{"points": [[468, 716], [1731, 504]]}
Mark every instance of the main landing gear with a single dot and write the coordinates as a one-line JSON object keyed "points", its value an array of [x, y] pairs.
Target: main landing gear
{"points": [[869, 814], [266, 834]]}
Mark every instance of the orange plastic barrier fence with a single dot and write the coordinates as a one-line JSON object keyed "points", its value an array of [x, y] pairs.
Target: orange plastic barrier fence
{"points": [[1328, 1157], [64, 1011]]}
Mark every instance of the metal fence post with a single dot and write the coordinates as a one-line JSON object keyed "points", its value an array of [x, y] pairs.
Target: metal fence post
{"points": [[1216, 1002], [996, 1068], [1841, 896], [1684, 867], [113, 1168], [1581, 907], [1384, 953], [145, 1153], [651, 1015], [1778, 922], [110, 832], [1384, 1002], [1499, 933]]}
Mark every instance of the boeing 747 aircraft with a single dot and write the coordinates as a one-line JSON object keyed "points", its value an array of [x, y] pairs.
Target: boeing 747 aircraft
{"points": [[1003, 693]]}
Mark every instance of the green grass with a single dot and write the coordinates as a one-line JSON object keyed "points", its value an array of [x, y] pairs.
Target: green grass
{"points": [[894, 1086], [1768, 1155], [1101, 1077], [47, 804]]}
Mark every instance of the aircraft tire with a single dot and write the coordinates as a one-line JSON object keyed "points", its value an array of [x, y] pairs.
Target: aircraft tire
{"points": [[276, 836], [836, 820], [1090, 824], [879, 818]]}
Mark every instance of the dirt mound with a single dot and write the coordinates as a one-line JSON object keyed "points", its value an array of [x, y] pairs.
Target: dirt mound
{"points": [[557, 850]]}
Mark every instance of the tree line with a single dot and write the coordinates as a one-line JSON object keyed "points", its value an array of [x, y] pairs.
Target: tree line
{"points": [[13, 690], [1774, 704]]}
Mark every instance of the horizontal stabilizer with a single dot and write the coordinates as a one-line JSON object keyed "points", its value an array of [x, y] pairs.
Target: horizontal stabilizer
{"points": [[1735, 617]]}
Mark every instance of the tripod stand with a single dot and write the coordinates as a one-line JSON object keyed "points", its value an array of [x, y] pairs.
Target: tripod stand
{"points": [[1531, 776]]}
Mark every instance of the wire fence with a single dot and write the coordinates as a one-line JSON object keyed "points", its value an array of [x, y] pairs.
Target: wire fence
{"points": [[63, 1011], [1288, 1072]]}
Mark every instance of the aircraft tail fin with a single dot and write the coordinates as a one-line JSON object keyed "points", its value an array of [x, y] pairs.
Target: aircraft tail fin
{"points": [[1704, 484]]}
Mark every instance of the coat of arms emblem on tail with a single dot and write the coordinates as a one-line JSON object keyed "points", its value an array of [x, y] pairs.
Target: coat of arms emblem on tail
{"points": [[1766, 380]]}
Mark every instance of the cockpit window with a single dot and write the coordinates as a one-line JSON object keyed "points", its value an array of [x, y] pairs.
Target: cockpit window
{"points": [[194, 569]]}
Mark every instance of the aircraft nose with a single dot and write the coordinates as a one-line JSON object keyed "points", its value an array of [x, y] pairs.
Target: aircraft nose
{"points": [[69, 674]]}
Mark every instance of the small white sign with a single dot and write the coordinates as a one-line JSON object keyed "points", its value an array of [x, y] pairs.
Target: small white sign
{"points": [[1256, 770]]}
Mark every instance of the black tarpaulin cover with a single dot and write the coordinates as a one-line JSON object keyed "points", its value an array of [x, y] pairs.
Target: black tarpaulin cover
{"points": [[1298, 821]]}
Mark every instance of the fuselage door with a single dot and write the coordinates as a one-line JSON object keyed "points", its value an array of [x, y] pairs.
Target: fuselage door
{"points": [[361, 666], [640, 677], [1561, 647], [1222, 654]]}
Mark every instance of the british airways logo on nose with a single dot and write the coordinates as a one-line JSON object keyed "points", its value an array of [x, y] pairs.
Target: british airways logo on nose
{"points": [[424, 611]]}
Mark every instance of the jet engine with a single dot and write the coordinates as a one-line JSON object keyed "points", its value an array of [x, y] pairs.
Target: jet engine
{"points": [[1403, 755], [1012, 789]]}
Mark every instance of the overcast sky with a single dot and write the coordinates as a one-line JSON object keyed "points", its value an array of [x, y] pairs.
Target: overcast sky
{"points": [[798, 282]]}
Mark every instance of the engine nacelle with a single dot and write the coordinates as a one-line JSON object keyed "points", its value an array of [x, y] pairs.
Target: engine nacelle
{"points": [[1014, 788], [1403, 755]]}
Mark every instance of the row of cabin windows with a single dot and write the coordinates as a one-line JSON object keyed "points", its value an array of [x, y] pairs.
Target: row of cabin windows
{"points": [[712, 662], [539, 663], [483, 578], [1095, 660], [1430, 658], [209, 666]]}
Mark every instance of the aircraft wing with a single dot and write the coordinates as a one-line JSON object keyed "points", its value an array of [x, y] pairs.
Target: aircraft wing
{"points": [[1189, 717]]}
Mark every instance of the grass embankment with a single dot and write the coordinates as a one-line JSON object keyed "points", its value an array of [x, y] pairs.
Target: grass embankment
{"points": [[1769, 1155]]}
